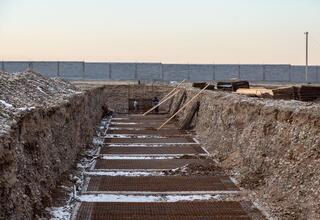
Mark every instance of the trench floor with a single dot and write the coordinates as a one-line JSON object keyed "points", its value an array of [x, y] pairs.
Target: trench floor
{"points": [[128, 179]]}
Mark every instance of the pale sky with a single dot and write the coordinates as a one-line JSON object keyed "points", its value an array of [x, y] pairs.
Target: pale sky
{"points": [[168, 31]]}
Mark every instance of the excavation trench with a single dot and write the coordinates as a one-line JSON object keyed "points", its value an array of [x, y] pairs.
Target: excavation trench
{"points": [[269, 147], [43, 129]]}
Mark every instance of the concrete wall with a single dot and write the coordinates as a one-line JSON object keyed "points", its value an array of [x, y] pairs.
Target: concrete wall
{"points": [[71, 70], [224, 72], [201, 72], [277, 73], [14, 67], [147, 71], [97, 71], [175, 72], [166, 72], [298, 73], [123, 71], [50, 69], [252, 72]]}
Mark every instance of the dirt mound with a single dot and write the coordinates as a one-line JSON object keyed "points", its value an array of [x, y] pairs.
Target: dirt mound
{"points": [[44, 123], [28, 90]]}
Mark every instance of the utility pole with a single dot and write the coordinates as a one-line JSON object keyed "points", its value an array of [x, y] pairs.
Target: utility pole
{"points": [[307, 54]]}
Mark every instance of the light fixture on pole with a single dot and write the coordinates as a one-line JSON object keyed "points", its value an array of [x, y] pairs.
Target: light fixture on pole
{"points": [[307, 55]]}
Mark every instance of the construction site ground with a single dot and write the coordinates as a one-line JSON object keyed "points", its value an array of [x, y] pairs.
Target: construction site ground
{"points": [[140, 172]]}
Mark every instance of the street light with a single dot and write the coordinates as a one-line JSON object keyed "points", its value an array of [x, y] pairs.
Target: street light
{"points": [[307, 36]]}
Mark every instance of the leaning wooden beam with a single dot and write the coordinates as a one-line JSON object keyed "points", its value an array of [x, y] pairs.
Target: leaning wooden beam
{"points": [[164, 98], [163, 101], [185, 105], [174, 89]]}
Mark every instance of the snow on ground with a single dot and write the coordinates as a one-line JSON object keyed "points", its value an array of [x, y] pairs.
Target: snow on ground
{"points": [[132, 136], [124, 123], [123, 173], [143, 198], [107, 157], [85, 164], [6, 105]]}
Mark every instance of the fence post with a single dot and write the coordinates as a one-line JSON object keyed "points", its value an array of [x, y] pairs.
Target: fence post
{"points": [[162, 75], [110, 70], [136, 71], [30, 66], [58, 68], [213, 72], [83, 70], [290, 73]]}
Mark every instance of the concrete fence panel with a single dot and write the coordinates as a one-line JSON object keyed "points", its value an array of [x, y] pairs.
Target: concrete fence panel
{"points": [[14, 67], [252, 73], [175, 72], [167, 72], [200, 72], [71, 70], [149, 71], [49, 69], [97, 71], [277, 73], [226, 72], [123, 71], [298, 74]]}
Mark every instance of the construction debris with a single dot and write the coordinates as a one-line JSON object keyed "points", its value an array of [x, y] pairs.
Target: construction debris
{"points": [[201, 85], [308, 93], [232, 85], [301, 93], [255, 92]]}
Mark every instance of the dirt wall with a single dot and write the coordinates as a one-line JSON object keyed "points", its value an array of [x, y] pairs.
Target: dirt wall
{"points": [[271, 147], [41, 146], [117, 96], [42, 143]]}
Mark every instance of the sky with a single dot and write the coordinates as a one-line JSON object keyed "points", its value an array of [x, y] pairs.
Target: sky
{"points": [[168, 31]]}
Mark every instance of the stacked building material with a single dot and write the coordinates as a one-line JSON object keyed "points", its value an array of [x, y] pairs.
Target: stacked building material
{"points": [[308, 93], [286, 93], [201, 85], [232, 85]]}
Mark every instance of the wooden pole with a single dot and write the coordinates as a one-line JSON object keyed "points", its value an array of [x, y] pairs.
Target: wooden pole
{"points": [[173, 90], [160, 103], [185, 105], [164, 98]]}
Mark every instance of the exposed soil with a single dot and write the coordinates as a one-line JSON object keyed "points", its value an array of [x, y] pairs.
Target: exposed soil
{"points": [[194, 169], [270, 146], [44, 123]]}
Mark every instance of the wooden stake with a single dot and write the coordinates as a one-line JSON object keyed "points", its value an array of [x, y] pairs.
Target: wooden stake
{"points": [[160, 103], [164, 98], [185, 105], [173, 90]]}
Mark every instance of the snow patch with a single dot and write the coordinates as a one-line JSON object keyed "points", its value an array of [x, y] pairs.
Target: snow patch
{"points": [[136, 157], [123, 173], [132, 136], [124, 123], [39, 89], [26, 108], [138, 198], [6, 104]]}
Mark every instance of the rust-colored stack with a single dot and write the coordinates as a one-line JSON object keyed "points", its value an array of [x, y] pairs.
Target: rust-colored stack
{"points": [[308, 93], [232, 85], [201, 85], [286, 93]]}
